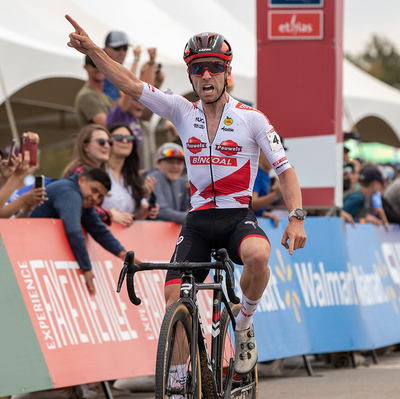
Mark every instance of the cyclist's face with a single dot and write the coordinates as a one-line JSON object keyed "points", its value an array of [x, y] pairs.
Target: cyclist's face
{"points": [[93, 192], [171, 168], [209, 87]]}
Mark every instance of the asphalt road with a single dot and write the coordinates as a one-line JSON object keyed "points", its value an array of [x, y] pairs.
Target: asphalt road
{"points": [[364, 382]]}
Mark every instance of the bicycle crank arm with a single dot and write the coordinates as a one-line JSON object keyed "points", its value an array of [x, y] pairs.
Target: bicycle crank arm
{"points": [[228, 379]]}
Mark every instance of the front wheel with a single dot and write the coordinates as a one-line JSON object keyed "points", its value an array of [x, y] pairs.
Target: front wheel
{"points": [[174, 375], [242, 387]]}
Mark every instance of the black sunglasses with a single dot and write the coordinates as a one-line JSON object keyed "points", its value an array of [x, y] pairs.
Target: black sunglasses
{"points": [[124, 47], [120, 138], [213, 67], [102, 142]]}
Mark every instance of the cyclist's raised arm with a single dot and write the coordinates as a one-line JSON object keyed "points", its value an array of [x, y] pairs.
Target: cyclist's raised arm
{"points": [[117, 74]]}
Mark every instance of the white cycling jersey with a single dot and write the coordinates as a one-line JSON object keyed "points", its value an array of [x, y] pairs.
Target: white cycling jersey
{"points": [[222, 172]]}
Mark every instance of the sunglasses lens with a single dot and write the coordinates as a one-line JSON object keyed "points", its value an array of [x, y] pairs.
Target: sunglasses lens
{"points": [[120, 138], [214, 68], [173, 153]]}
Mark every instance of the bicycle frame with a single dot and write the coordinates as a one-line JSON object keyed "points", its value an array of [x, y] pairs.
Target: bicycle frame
{"points": [[188, 296]]}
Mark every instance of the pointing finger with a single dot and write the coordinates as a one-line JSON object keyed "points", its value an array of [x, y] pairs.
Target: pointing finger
{"points": [[73, 23]]}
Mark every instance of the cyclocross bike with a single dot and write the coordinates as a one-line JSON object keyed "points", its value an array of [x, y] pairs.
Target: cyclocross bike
{"points": [[184, 366]]}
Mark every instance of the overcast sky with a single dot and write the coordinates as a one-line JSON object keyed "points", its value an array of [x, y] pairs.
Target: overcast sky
{"points": [[362, 18]]}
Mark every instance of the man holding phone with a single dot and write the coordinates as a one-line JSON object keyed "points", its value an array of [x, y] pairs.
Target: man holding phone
{"points": [[73, 200]]}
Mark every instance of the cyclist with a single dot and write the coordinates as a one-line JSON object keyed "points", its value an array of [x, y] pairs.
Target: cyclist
{"points": [[222, 139]]}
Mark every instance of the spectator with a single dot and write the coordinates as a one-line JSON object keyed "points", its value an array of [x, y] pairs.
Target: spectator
{"points": [[73, 200], [127, 193], [92, 105], [349, 175], [12, 179], [128, 112], [357, 202], [266, 193], [391, 199], [92, 150], [171, 190], [151, 73], [116, 47]]}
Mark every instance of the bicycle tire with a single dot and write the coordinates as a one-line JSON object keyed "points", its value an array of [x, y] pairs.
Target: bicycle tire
{"points": [[227, 351], [176, 317]]}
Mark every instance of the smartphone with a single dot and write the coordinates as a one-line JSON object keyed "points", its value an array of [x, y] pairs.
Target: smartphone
{"points": [[27, 145], [39, 182], [152, 201], [13, 144]]}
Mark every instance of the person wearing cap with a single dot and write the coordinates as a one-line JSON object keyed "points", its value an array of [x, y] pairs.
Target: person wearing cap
{"points": [[171, 189], [116, 46], [357, 204], [91, 104], [222, 138]]}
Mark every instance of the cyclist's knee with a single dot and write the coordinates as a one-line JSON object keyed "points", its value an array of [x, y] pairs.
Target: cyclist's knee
{"points": [[255, 251], [171, 293]]}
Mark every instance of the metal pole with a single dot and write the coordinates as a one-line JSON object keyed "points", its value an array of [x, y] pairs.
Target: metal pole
{"points": [[9, 111]]}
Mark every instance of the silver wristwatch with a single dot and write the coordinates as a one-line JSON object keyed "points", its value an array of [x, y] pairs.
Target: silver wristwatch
{"points": [[297, 213]]}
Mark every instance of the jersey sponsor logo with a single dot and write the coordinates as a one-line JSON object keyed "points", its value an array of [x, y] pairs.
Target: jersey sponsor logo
{"points": [[227, 129], [282, 164], [248, 108], [151, 88], [228, 121], [194, 145], [180, 239], [276, 163], [228, 147], [200, 120], [198, 126], [214, 160]]}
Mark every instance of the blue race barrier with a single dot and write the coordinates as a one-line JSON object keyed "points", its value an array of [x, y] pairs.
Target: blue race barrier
{"points": [[336, 294]]}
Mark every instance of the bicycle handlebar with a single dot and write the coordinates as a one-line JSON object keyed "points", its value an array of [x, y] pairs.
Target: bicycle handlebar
{"points": [[129, 269]]}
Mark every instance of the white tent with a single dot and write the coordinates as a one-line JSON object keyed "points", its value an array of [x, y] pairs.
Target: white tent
{"points": [[42, 75]]}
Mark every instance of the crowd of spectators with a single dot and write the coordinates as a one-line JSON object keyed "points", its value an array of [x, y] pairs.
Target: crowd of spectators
{"points": [[103, 182], [370, 192]]}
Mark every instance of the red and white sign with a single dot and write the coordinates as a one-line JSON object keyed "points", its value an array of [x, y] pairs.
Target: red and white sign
{"points": [[295, 25]]}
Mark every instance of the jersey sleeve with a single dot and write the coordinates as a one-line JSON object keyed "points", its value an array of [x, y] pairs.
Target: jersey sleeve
{"points": [[270, 143], [165, 104]]}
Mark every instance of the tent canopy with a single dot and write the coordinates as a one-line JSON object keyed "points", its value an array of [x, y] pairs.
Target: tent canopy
{"points": [[42, 75]]}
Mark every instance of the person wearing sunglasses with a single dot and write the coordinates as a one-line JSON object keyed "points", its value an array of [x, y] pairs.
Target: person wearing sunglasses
{"points": [[116, 46], [92, 150], [129, 194], [221, 138]]}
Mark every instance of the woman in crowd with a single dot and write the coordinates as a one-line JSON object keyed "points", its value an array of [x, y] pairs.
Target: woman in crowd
{"points": [[128, 191], [92, 150]]}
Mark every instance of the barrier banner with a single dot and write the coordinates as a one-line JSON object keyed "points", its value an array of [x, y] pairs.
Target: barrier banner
{"points": [[340, 293], [80, 338], [333, 295]]}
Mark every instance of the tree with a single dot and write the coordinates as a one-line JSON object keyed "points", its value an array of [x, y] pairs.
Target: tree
{"points": [[381, 59]]}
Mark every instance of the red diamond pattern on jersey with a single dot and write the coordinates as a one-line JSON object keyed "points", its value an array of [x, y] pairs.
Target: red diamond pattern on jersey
{"points": [[244, 199], [233, 183], [193, 188]]}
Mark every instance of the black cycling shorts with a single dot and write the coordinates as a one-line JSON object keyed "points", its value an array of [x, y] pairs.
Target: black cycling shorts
{"points": [[210, 229]]}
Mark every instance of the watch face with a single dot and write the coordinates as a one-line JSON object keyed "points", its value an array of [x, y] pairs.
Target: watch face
{"points": [[300, 213]]}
